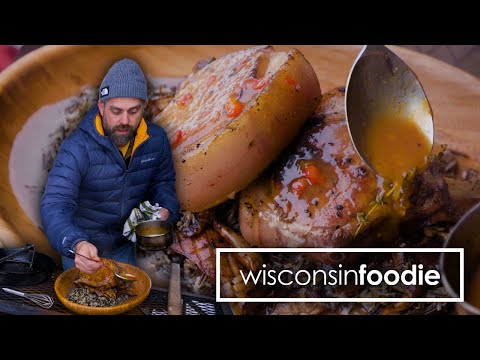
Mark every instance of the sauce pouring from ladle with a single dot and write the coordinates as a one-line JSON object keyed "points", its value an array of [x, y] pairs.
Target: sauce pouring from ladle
{"points": [[389, 118]]}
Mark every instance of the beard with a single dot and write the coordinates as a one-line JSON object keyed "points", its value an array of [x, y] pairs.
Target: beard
{"points": [[120, 140]]}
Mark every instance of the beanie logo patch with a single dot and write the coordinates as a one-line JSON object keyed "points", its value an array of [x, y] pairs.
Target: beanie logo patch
{"points": [[104, 91]]}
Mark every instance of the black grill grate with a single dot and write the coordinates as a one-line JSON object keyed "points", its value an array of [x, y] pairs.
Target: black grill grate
{"points": [[156, 303], [195, 307]]}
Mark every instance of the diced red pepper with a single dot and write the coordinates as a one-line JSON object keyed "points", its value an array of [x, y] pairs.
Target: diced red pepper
{"points": [[185, 99], [299, 185], [233, 107], [291, 82], [177, 140], [313, 174]]}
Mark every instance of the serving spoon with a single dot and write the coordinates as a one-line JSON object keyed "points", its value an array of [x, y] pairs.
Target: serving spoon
{"points": [[125, 276], [380, 82]]}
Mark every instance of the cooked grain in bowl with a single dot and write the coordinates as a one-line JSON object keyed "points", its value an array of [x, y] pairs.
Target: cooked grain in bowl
{"points": [[84, 297]]}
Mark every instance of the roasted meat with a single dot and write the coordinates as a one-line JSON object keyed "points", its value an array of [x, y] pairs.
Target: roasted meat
{"points": [[103, 282], [198, 248], [248, 104], [321, 194], [313, 195]]}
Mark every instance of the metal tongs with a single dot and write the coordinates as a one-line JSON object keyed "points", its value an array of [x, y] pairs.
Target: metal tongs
{"points": [[12, 255]]}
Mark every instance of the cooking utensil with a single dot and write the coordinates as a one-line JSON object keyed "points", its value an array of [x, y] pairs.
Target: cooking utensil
{"points": [[465, 234], [381, 82], [126, 276], [42, 300], [153, 235], [24, 266], [16, 252]]}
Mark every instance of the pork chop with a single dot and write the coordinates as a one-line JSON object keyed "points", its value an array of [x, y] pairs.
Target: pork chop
{"points": [[318, 192]]}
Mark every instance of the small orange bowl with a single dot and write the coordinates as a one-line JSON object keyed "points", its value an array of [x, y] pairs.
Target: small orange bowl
{"points": [[64, 284]]}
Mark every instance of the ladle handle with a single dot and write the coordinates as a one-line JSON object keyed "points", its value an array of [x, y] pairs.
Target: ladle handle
{"points": [[86, 257]]}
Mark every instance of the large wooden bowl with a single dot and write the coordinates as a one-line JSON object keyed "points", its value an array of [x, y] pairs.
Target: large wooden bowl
{"points": [[53, 73], [64, 283]]}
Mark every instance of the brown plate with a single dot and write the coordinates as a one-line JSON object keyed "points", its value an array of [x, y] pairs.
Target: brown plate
{"points": [[142, 286]]}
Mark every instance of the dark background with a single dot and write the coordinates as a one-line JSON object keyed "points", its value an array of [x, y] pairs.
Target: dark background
{"points": [[466, 57]]}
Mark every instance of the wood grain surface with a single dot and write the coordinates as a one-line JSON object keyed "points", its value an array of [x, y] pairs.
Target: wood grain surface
{"points": [[53, 73], [175, 290]]}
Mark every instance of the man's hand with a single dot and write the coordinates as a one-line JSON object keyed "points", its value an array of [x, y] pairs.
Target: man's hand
{"points": [[87, 249], [164, 214]]}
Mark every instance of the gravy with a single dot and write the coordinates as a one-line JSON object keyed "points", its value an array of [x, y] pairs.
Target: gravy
{"points": [[395, 145]]}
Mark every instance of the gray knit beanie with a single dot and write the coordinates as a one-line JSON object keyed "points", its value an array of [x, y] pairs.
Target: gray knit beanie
{"points": [[124, 79]]}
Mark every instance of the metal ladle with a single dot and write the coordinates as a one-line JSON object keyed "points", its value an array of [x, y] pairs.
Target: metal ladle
{"points": [[379, 82]]}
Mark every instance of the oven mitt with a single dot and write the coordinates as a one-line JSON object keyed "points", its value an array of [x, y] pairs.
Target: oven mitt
{"points": [[145, 211]]}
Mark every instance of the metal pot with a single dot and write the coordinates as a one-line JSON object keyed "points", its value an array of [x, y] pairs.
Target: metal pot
{"points": [[464, 235], [154, 235]]}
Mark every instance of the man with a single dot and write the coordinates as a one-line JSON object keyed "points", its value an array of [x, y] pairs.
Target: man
{"points": [[109, 165]]}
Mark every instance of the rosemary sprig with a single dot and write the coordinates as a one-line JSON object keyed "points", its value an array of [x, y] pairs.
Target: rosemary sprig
{"points": [[432, 156], [380, 200]]}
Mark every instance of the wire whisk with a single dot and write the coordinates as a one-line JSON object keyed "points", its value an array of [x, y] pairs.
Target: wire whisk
{"points": [[43, 300]]}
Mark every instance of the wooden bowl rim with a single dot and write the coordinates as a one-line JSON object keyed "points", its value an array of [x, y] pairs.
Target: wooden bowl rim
{"points": [[99, 310]]}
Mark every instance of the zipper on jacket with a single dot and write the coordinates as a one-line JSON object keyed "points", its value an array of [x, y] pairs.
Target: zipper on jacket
{"points": [[127, 168], [122, 208], [129, 154]]}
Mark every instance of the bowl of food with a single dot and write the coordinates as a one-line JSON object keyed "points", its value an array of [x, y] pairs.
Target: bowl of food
{"points": [[154, 235], [102, 293]]}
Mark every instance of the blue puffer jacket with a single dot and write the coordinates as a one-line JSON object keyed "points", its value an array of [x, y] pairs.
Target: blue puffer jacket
{"points": [[90, 192]]}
